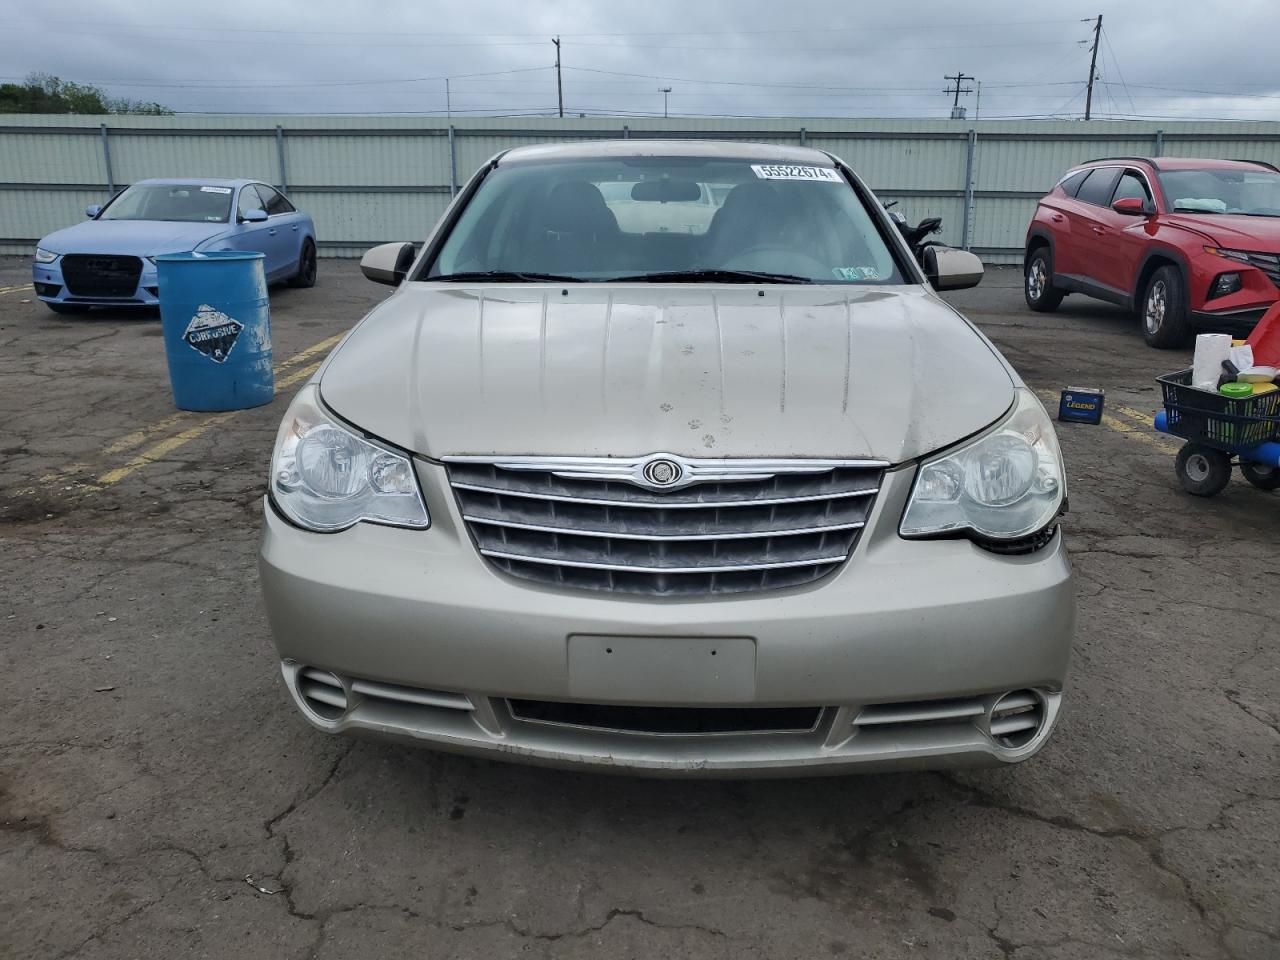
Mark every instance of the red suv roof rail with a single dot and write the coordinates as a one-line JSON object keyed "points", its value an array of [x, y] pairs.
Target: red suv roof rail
{"points": [[1139, 159], [1260, 163]]}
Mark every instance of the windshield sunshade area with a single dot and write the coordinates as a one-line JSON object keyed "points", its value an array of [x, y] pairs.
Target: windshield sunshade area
{"points": [[666, 219], [1222, 191], [175, 202]]}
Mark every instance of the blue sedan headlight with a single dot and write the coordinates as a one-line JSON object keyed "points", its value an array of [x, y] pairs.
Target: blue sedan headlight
{"points": [[45, 256]]}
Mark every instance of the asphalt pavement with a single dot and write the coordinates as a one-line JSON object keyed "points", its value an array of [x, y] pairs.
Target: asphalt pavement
{"points": [[160, 795]]}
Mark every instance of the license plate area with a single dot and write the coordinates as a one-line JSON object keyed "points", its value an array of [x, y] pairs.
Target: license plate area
{"points": [[662, 670]]}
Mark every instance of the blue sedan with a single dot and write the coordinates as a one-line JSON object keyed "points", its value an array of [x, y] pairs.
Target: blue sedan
{"points": [[108, 261]]}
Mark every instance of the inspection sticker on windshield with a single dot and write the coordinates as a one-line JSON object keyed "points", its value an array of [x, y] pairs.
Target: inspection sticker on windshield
{"points": [[212, 333], [215, 189], [774, 171]]}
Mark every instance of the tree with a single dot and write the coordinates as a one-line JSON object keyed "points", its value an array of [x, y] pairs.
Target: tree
{"points": [[44, 93]]}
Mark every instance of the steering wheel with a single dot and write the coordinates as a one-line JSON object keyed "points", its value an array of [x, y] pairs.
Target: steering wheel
{"points": [[810, 265]]}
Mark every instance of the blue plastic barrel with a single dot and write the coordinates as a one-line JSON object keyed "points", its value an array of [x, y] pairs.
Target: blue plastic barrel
{"points": [[217, 329]]}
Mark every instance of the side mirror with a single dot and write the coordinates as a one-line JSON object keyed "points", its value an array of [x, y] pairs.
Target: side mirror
{"points": [[93, 210], [253, 216], [388, 262], [950, 269], [1133, 207]]}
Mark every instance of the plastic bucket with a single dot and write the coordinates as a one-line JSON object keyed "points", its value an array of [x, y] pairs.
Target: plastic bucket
{"points": [[217, 329]]}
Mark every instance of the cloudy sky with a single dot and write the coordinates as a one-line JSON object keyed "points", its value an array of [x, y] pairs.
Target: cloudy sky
{"points": [[1181, 59]]}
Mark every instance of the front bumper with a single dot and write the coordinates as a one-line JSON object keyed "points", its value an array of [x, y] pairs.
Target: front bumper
{"points": [[1230, 321], [51, 287], [920, 622]]}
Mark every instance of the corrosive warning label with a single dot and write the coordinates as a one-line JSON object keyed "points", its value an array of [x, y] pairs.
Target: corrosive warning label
{"points": [[212, 333]]}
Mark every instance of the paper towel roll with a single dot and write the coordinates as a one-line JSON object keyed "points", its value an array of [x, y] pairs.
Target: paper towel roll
{"points": [[1211, 350]]}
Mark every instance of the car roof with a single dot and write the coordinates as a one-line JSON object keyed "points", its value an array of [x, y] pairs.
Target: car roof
{"points": [[708, 149], [206, 181], [1178, 163]]}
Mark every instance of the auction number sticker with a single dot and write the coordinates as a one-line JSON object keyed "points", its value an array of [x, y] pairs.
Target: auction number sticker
{"points": [[775, 171], [215, 189]]}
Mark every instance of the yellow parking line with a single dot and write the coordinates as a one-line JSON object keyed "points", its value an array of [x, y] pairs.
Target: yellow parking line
{"points": [[163, 448], [24, 286], [143, 434], [321, 347], [169, 444], [1141, 434], [1144, 434], [1133, 414]]}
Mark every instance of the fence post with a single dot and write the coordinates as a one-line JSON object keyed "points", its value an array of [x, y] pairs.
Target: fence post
{"points": [[284, 181], [968, 187], [1159, 143], [453, 163], [106, 159], [804, 137]]}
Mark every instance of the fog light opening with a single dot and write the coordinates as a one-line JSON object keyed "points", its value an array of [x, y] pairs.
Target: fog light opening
{"points": [[322, 693], [1226, 284], [1016, 719]]}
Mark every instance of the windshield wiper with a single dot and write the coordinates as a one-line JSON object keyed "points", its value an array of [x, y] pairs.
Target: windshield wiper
{"points": [[504, 276], [712, 275]]}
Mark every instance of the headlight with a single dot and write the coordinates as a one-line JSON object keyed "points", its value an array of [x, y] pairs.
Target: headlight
{"points": [[1006, 484], [45, 256], [325, 477], [1241, 256]]}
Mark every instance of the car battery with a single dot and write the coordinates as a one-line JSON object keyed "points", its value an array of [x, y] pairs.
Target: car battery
{"points": [[1081, 405]]}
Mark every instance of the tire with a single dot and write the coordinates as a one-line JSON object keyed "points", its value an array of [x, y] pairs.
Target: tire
{"points": [[1202, 471], [1163, 312], [306, 275], [66, 307], [1037, 282], [1261, 476]]}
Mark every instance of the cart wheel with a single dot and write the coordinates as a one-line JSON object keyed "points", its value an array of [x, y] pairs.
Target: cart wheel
{"points": [[1261, 476], [1202, 471]]}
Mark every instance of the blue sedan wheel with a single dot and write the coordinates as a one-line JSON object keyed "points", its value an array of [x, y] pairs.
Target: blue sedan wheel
{"points": [[306, 276]]}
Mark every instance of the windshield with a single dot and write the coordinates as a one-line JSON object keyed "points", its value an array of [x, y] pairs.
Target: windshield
{"points": [[667, 218], [181, 202], [1254, 193]]}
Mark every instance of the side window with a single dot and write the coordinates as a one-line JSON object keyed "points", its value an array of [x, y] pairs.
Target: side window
{"points": [[1072, 183], [275, 200], [249, 200], [1097, 187], [1131, 187]]}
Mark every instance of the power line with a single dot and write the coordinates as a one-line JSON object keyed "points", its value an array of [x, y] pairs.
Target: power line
{"points": [[1116, 63], [43, 24]]}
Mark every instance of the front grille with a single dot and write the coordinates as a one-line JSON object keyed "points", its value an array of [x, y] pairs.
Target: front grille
{"points": [[790, 523], [101, 275], [669, 720], [1268, 263]]}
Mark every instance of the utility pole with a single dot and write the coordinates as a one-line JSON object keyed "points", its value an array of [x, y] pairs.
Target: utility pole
{"points": [[1093, 66], [559, 85], [664, 91], [957, 112], [448, 104]]}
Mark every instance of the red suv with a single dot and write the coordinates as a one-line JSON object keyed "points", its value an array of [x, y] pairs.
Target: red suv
{"points": [[1184, 243]]}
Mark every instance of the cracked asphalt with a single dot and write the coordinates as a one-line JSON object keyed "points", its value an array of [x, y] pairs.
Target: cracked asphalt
{"points": [[159, 795]]}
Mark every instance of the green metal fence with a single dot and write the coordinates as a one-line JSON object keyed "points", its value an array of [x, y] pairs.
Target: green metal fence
{"points": [[366, 180]]}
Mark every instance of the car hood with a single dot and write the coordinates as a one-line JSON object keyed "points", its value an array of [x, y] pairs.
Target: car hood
{"points": [[1235, 231], [889, 373], [141, 238]]}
